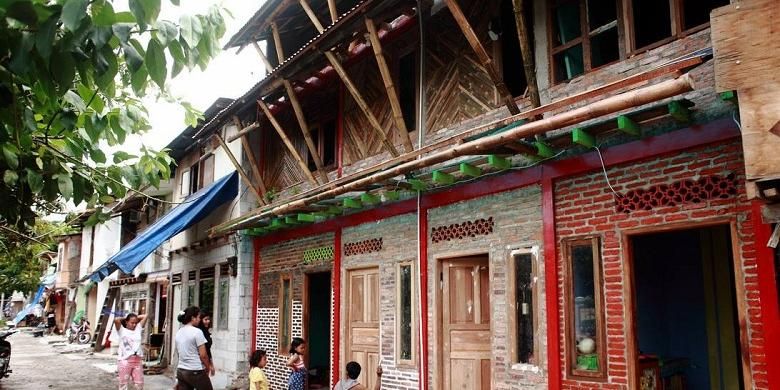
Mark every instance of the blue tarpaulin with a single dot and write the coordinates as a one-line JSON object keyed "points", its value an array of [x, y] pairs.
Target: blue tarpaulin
{"points": [[194, 208], [27, 309]]}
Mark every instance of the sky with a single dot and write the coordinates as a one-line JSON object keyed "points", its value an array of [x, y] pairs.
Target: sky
{"points": [[229, 75]]}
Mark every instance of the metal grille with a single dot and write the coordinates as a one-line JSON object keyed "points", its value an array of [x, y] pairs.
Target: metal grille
{"points": [[318, 255]]}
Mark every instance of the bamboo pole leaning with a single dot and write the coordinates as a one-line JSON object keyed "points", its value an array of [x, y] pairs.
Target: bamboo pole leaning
{"points": [[594, 110]]}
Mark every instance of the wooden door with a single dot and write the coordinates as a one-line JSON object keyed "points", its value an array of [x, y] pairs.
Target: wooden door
{"points": [[465, 323], [363, 322]]}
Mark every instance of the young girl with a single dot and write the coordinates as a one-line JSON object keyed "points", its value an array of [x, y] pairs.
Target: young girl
{"points": [[298, 374], [205, 326], [257, 379], [130, 355]]}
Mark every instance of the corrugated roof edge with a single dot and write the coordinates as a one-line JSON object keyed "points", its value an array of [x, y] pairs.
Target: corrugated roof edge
{"points": [[239, 38], [179, 144]]}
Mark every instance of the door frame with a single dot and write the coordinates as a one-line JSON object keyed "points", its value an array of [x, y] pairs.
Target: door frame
{"points": [[346, 291], [307, 304], [438, 344], [629, 290]]}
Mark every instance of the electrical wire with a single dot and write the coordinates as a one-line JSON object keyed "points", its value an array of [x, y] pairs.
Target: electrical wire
{"points": [[604, 169]]}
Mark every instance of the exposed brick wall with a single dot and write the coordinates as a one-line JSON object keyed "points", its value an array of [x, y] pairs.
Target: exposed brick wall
{"points": [[275, 260], [584, 205], [518, 222]]}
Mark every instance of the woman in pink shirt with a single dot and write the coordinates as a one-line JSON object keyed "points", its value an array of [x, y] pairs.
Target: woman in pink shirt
{"points": [[130, 354]]}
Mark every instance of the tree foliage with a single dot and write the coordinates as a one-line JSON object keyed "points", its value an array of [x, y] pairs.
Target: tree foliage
{"points": [[72, 75], [22, 260]]}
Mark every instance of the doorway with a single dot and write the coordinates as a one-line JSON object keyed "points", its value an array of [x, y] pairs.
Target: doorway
{"points": [[465, 323], [685, 311], [317, 322], [362, 313]]}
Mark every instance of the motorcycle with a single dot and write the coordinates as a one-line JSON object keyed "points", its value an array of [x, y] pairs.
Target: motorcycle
{"points": [[79, 332], [5, 353]]}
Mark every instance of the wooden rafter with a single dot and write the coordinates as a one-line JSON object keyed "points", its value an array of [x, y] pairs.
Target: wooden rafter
{"points": [[334, 14], [387, 77], [240, 170], [250, 155], [259, 51], [336, 64], [315, 154], [483, 56], [525, 51], [297, 156], [278, 42], [243, 131], [312, 15]]}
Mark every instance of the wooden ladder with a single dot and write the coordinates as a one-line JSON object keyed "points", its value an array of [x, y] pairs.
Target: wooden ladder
{"points": [[105, 314]]}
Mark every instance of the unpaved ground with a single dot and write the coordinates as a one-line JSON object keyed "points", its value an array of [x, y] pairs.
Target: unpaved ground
{"points": [[51, 363]]}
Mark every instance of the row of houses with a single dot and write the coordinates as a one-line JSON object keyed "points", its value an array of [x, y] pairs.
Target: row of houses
{"points": [[504, 194]]}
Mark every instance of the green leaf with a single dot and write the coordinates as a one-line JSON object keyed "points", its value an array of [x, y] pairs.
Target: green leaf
{"points": [[98, 156], [23, 11], [100, 36], [138, 80], [44, 38], [132, 57], [145, 11], [107, 199], [65, 184], [216, 20], [39, 163], [124, 17], [122, 156], [191, 29], [64, 72], [166, 32], [103, 14], [175, 2], [75, 100], [73, 12], [10, 178], [155, 63], [11, 154], [20, 59], [122, 31], [34, 181]]}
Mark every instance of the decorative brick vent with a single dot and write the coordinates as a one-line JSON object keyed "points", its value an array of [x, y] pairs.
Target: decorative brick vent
{"points": [[363, 247], [317, 255], [459, 231], [683, 191]]}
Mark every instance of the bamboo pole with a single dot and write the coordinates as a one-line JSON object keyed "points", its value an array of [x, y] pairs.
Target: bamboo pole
{"points": [[483, 56], [597, 109], [250, 155], [277, 42], [525, 50], [263, 58], [287, 142], [242, 132], [334, 14], [312, 15], [240, 170], [361, 103], [315, 154], [392, 96]]}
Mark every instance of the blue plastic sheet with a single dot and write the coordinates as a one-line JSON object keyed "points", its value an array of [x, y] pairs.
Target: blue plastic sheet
{"points": [[26, 310]]}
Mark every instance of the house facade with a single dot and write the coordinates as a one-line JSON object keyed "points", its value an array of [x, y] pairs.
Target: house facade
{"points": [[485, 195]]}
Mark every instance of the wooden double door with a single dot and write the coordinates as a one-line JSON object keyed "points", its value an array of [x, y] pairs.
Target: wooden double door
{"points": [[465, 323], [363, 323]]}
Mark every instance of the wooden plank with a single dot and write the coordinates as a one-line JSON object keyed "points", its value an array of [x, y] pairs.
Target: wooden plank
{"points": [[290, 147], [243, 131], [239, 168], [387, 77], [483, 56], [278, 42], [334, 14], [315, 154], [759, 113], [361, 102], [746, 44], [250, 155]]}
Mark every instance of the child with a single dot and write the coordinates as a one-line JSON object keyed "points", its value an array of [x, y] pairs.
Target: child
{"points": [[298, 375], [257, 379], [130, 354], [353, 372]]}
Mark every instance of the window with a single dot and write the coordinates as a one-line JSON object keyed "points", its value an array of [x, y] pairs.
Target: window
{"points": [[405, 318], [585, 338], [584, 36], [285, 314], [655, 22], [324, 137], [206, 291], [207, 171], [523, 289], [511, 59], [184, 185], [191, 285], [224, 296], [195, 178], [407, 91]]}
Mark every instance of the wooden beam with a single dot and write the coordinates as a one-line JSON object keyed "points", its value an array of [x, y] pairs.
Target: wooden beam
{"points": [[259, 51], [387, 77], [240, 170], [482, 55], [526, 52], [628, 126], [278, 43], [581, 137], [250, 155], [305, 130], [469, 170], [286, 140], [312, 15], [361, 102], [246, 130], [334, 13]]}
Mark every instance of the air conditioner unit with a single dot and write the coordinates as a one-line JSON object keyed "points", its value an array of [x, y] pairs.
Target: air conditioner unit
{"points": [[134, 216]]}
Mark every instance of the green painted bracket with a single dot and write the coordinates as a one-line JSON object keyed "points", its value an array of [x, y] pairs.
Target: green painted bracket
{"points": [[306, 218], [352, 203], [544, 150], [334, 210], [370, 199], [580, 136], [291, 220], [418, 185], [498, 162], [258, 231], [628, 126], [391, 196], [728, 96], [443, 177], [470, 170], [320, 215], [679, 112], [277, 223]]}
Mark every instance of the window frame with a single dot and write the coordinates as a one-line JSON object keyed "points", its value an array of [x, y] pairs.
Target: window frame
{"points": [[283, 345], [206, 169], [598, 283], [223, 319], [677, 26], [511, 294], [319, 142], [184, 190], [411, 362]]}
